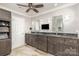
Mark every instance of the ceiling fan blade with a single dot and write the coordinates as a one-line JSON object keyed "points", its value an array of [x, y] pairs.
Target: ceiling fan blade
{"points": [[38, 6], [29, 4], [35, 10], [22, 5], [28, 10]]}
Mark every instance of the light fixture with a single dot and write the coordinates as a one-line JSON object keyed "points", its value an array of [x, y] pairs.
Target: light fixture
{"points": [[55, 4]]}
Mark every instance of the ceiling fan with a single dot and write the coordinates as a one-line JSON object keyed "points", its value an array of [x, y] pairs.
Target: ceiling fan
{"points": [[32, 7]]}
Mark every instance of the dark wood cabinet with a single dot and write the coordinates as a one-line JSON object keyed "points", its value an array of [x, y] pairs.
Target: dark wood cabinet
{"points": [[71, 47], [37, 41], [5, 32], [51, 48], [55, 45], [28, 39], [31, 40], [5, 47], [70, 50], [5, 15], [63, 46], [42, 43], [59, 46]]}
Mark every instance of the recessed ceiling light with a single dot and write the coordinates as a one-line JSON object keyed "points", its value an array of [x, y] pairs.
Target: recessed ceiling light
{"points": [[55, 4]]}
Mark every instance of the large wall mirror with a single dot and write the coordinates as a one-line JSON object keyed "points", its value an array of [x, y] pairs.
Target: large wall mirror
{"points": [[57, 23], [35, 25]]}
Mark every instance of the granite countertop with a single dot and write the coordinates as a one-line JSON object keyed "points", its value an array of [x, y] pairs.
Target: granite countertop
{"points": [[53, 35]]}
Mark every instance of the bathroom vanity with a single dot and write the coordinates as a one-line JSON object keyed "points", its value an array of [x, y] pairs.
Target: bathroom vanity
{"points": [[58, 45], [54, 36]]}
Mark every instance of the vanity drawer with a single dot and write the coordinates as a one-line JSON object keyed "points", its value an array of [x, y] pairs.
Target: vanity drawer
{"points": [[56, 40], [69, 41]]}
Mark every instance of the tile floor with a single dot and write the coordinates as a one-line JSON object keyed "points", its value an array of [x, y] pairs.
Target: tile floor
{"points": [[28, 51]]}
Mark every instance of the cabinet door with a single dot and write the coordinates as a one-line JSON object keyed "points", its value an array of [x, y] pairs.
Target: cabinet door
{"points": [[33, 40], [36, 42], [51, 48], [30, 40], [52, 45], [59, 48], [5, 15], [70, 50], [42, 43], [78, 47], [27, 38], [8, 46], [71, 47], [55, 45], [5, 47]]}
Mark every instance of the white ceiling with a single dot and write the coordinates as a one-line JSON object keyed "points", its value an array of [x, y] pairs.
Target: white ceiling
{"points": [[47, 6]]}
